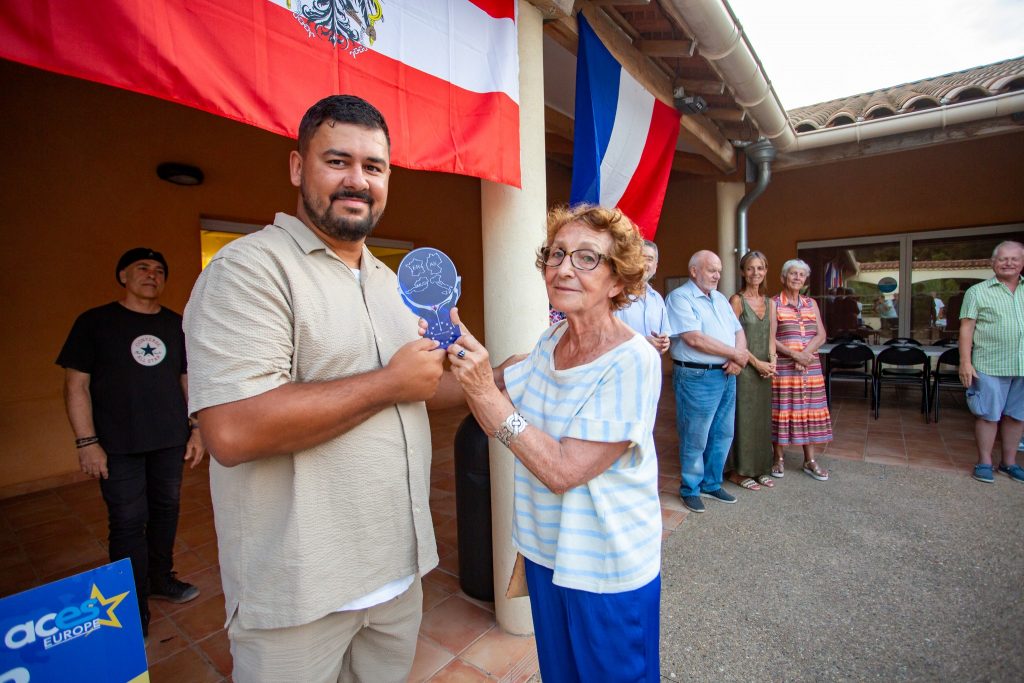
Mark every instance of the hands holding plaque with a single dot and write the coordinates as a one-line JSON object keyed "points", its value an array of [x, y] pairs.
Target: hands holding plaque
{"points": [[430, 287]]}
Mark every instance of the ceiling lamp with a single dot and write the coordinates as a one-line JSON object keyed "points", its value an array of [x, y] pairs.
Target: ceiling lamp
{"points": [[180, 174]]}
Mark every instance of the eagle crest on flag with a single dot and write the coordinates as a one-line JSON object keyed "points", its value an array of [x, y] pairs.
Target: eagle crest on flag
{"points": [[343, 22]]}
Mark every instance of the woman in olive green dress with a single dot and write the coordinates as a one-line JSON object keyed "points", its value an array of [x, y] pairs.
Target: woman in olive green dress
{"points": [[750, 461]]}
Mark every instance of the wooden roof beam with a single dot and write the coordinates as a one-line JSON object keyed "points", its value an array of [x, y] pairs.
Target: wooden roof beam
{"points": [[564, 32], [667, 48], [675, 16], [726, 114], [620, 3], [553, 9], [701, 87], [693, 164]]}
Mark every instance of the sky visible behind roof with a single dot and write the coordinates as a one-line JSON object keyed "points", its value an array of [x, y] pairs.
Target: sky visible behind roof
{"points": [[819, 51]]}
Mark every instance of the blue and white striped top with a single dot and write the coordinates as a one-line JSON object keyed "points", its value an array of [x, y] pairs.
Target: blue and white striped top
{"points": [[603, 536]]}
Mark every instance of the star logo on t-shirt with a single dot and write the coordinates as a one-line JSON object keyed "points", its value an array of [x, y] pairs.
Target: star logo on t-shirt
{"points": [[148, 350]]}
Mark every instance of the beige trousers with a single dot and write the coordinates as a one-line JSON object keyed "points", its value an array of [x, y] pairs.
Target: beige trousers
{"points": [[374, 645]]}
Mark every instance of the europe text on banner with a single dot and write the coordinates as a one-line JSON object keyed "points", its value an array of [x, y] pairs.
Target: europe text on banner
{"points": [[84, 627], [445, 73], [624, 137]]}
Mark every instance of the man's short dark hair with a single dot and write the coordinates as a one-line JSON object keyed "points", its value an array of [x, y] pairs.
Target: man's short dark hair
{"points": [[342, 109]]}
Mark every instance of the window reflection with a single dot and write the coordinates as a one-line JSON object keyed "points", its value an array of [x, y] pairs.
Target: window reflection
{"points": [[858, 287]]}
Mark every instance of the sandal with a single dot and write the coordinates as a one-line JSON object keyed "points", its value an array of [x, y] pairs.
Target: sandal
{"points": [[812, 469], [765, 480], [778, 469], [740, 480], [749, 483]]}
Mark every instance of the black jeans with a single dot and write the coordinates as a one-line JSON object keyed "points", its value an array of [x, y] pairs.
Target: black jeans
{"points": [[142, 493]]}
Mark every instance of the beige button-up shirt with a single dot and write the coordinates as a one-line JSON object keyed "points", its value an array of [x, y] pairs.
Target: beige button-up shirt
{"points": [[300, 535]]}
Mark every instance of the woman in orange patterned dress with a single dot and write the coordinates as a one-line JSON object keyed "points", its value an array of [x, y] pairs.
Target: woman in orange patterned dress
{"points": [[799, 410]]}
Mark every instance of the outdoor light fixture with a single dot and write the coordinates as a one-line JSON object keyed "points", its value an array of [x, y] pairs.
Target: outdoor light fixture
{"points": [[688, 104], [180, 174]]}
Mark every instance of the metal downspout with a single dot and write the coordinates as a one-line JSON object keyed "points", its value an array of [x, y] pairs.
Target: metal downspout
{"points": [[761, 153]]}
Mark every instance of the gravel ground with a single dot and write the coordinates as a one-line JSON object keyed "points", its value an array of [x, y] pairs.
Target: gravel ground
{"points": [[880, 574]]}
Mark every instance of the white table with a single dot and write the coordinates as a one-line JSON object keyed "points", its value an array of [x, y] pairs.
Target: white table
{"points": [[930, 351]]}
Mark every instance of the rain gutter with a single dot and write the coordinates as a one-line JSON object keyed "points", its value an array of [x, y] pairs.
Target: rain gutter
{"points": [[938, 117], [721, 41]]}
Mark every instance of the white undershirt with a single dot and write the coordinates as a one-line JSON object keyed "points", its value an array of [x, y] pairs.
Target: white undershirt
{"points": [[379, 596]]}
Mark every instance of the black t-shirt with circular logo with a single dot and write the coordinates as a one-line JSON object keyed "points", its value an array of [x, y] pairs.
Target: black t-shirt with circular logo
{"points": [[135, 362]]}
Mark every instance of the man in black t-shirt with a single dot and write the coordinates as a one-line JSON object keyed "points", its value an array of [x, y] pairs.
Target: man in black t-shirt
{"points": [[126, 391]]}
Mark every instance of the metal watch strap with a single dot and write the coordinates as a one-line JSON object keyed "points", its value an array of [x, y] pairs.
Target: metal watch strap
{"points": [[513, 426]]}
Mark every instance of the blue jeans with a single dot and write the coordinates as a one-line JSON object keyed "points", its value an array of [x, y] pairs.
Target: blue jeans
{"points": [[705, 420], [142, 495]]}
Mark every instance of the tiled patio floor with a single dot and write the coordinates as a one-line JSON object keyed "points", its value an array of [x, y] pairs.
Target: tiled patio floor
{"points": [[55, 533]]}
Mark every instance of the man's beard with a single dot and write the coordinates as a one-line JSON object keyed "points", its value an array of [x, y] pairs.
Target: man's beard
{"points": [[341, 227]]}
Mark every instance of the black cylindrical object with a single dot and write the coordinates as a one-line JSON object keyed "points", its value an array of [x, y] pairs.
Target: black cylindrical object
{"points": [[473, 510]]}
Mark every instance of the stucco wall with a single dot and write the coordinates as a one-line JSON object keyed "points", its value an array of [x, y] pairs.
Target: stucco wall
{"points": [[965, 184], [80, 187]]}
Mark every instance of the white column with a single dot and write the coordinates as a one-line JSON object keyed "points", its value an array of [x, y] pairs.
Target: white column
{"points": [[515, 301], [728, 196]]}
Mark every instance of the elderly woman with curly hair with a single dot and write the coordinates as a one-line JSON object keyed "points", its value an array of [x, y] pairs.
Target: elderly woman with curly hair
{"points": [[578, 414]]}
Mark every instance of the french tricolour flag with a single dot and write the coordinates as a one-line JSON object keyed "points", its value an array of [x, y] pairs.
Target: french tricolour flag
{"points": [[445, 73], [624, 137]]}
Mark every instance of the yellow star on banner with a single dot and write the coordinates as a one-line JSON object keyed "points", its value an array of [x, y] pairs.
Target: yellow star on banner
{"points": [[113, 602]]}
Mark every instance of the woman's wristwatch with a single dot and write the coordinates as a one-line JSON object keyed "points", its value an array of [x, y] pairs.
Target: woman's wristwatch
{"points": [[514, 425]]}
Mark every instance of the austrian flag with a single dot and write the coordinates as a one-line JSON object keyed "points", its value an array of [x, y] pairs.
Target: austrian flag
{"points": [[445, 73], [625, 138]]}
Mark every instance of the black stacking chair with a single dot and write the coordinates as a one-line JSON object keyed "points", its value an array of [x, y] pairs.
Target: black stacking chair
{"points": [[902, 341], [903, 362], [945, 378], [850, 361]]}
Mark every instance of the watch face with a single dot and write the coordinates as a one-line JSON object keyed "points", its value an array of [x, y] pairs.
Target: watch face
{"points": [[430, 287]]}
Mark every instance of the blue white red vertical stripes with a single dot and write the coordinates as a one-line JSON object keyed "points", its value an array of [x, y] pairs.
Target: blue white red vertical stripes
{"points": [[624, 137]]}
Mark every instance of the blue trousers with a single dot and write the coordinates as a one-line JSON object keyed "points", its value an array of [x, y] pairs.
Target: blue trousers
{"points": [[705, 419], [588, 637]]}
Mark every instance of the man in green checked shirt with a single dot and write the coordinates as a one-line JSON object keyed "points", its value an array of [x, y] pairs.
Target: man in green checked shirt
{"points": [[992, 360]]}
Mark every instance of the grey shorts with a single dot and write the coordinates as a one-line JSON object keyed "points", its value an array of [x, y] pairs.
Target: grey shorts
{"points": [[992, 397]]}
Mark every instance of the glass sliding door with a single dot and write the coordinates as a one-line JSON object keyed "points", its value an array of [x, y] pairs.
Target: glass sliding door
{"points": [[857, 287], [943, 269], [906, 285]]}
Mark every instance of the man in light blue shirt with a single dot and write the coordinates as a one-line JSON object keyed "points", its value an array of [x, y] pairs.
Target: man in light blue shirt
{"points": [[646, 314], [708, 350]]}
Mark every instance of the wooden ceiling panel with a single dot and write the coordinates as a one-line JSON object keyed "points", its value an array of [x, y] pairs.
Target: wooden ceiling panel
{"points": [[652, 40]]}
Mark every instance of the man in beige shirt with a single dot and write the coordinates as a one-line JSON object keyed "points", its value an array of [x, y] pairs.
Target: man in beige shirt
{"points": [[308, 378]]}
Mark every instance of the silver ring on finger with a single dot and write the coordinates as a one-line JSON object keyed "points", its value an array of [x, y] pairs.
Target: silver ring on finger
{"points": [[461, 353]]}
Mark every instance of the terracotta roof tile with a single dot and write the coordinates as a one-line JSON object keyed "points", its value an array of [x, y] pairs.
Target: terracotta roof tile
{"points": [[960, 86]]}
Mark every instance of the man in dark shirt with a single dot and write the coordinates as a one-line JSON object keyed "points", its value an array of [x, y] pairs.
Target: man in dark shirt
{"points": [[126, 390]]}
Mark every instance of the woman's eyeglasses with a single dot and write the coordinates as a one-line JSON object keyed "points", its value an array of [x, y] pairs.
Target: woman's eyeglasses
{"points": [[581, 259]]}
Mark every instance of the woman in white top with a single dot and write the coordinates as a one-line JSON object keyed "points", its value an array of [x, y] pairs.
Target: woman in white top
{"points": [[578, 414]]}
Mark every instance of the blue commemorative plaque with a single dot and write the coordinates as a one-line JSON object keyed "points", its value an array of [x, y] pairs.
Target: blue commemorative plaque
{"points": [[430, 287]]}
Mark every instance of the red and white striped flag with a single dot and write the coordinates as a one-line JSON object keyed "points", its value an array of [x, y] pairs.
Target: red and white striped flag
{"points": [[445, 73]]}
